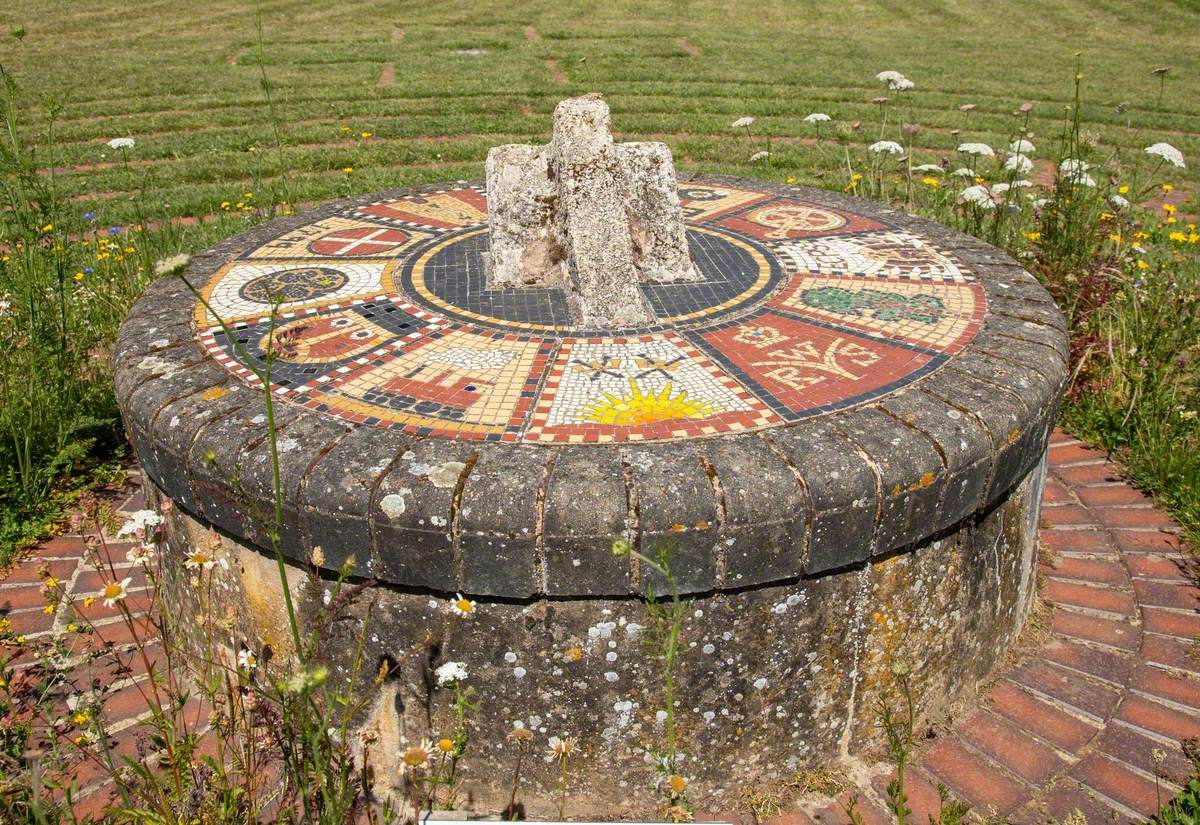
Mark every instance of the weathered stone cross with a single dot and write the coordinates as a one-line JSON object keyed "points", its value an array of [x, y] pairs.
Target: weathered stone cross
{"points": [[587, 214]]}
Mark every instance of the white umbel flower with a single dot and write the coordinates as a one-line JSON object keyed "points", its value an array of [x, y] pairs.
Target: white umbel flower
{"points": [[760, 155], [172, 264], [894, 81], [139, 521], [121, 143], [817, 117], [1018, 163], [743, 122], [901, 85], [1168, 153], [450, 673], [963, 172], [1071, 165], [978, 195], [1022, 146], [1080, 178], [931, 168], [1118, 201], [891, 147], [981, 149]]}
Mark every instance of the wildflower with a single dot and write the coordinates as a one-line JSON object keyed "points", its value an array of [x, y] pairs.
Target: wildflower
{"points": [[462, 606], [88, 601], [1118, 201], [1142, 264], [979, 195], [140, 553], [817, 117], [49, 609], [199, 558], [48, 227], [81, 717], [901, 85], [931, 182], [889, 146], [89, 216], [347, 169], [677, 784], [445, 745], [1018, 163], [1170, 208], [121, 143], [1072, 166], [760, 155], [560, 748], [981, 149], [1033, 236], [621, 547], [963, 172], [246, 659], [895, 81], [1081, 178], [114, 592], [1022, 146], [73, 628], [931, 168], [744, 122], [451, 672], [366, 135], [416, 757], [114, 230], [168, 266], [138, 523], [78, 276], [967, 107], [308, 679], [1168, 153], [1168, 187]]}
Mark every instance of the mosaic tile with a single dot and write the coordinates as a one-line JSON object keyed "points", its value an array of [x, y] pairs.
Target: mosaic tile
{"points": [[874, 255], [386, 320], [340, 238]]}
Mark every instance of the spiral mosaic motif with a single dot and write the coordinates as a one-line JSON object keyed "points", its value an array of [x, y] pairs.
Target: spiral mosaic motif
{"points": [[385, 319]]}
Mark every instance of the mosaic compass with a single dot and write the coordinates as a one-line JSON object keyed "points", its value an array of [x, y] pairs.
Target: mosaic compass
{"points": [[386, 318]]}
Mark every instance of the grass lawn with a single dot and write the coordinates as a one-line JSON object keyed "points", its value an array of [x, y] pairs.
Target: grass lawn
{"points": [[237, 108], [436, 85]]}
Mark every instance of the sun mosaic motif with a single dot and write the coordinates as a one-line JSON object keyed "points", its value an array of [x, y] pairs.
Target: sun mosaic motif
{"points": [[384, 318]]}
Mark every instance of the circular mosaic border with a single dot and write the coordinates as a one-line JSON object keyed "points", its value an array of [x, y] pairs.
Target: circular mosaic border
{"points": [[802, 309]]}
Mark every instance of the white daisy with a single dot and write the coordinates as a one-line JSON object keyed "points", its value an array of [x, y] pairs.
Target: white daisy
{"points": [[743, 122], [141, 553], [416, 757], [121, 143], [114, 592], [246, 659], [1018, 163], [462, 606], [1168, 153], [817, 117], [1022, 146], [889, 146], [451, 672], [981, 149], [199, 559]]}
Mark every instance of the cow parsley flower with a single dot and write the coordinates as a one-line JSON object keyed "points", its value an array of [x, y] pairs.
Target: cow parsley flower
{"points": [[172, 264], [1118, 201], [930, 168], [139, 522], [1080, 178], [981, 149], [450, 673], [979, 195], [901, 85], [743, 122], [894, 81], [1070, 166], [889, 146], [963, 172], [1018, 163], [760, 155], [1022, 146], [1168, 153], [817, 117], [121, 143]]}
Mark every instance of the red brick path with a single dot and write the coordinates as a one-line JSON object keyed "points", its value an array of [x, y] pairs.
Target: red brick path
{"points": [[1073, 724]]}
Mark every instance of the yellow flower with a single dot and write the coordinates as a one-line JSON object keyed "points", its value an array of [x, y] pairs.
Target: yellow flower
{"points": [[1107, 216], [48, 227], [88, 601], [1124, 189], [1033, 236], [1142, 264], [1178, 236], [1168, 187], [72, 628], [1170, 208], [248, 195], [224, 204], [50, 582], [931, 182], [81, 717], [416, 757], [48, 610], [344, 129], [1114, 237], [347, 169], [445, 745], [856, 176], [791, 180], [79, 276], [366, 135], [678, 784]]}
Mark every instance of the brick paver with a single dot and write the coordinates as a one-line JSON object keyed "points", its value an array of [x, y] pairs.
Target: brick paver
{"points": [[1073, 725]]}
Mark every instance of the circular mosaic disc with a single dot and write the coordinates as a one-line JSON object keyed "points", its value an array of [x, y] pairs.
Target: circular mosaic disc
{"points": [[385, 319]]}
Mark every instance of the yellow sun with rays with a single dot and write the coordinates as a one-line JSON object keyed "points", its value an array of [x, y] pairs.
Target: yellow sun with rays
{"points": [[646, 407]]}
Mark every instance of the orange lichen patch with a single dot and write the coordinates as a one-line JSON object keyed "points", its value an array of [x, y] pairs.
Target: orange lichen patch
{"points": [[213, 393], [924, 482], [1013, 435], [573, 654], [702, 525], [676, 528]]}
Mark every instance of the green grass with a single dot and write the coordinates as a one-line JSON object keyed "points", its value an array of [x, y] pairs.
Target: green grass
{"points": [[217, 114]]}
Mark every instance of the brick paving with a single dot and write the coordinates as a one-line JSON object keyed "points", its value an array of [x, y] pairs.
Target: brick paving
{"points": [[1072, 725]]}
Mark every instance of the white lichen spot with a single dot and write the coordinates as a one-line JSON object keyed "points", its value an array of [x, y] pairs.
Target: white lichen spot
{"points": [[632, 630], [610, 676], [393, 504], [660, 718], [601, 630], [445, 474], [519, 672], [760, 683], [510, 657], [610, 656], [286, 445], [438, 521], [259, 419], [709, 648]]}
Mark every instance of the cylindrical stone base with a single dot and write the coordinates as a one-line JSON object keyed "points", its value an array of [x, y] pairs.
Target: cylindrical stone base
{"points": [[769, 680]]}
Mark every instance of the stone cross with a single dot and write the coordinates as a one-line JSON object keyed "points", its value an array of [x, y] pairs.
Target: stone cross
{"points": [[588, 215]]}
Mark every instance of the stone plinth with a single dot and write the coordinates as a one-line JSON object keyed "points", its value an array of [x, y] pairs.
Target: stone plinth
{"points": [[837, 429]]}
